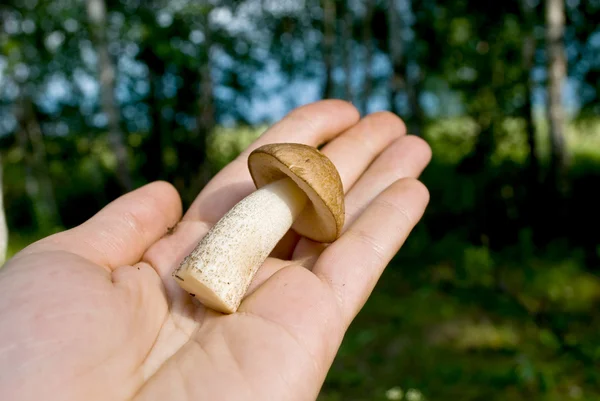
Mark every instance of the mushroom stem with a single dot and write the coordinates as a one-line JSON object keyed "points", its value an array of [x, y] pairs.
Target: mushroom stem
{"points": [[222, 266]]}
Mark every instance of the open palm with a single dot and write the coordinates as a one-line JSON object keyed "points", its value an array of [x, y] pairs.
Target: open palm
{"points": [[93, 313]]}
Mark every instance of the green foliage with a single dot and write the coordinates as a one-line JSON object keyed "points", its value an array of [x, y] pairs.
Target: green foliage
{"points": [[451, 139], [225, 144]]}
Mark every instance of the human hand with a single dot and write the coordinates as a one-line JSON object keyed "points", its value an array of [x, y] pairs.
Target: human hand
{"points": [[93, 313]]}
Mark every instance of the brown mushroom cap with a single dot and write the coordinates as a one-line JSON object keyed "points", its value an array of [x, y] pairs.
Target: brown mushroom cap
{"points": [[323, 217]]}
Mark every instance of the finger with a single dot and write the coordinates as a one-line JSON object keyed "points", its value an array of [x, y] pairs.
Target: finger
{"points": [[313, 124], [352, 265], [353, 151], [122, 231], [270, 267], [407, 157]]}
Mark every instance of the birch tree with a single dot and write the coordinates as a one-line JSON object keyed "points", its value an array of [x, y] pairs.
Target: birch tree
{"points": [[557, 71], [96, 12]]}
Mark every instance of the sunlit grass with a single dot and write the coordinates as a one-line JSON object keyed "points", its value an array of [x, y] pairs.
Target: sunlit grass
{"points": [[453, 138]]}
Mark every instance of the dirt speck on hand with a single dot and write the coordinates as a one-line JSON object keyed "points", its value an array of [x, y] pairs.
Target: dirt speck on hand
{"points": [[171, 230]]}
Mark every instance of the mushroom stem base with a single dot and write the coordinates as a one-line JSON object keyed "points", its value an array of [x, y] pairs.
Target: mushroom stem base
{"points": [[220, 269]]}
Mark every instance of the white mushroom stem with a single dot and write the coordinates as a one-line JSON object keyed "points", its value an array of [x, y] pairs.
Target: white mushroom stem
{"points": [[222, 266]]}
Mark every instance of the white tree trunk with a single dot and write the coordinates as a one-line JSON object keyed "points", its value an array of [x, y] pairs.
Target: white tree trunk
{"points": [[96, 11], [557, 72]]}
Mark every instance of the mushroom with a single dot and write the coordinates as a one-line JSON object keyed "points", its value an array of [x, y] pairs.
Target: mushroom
{"points": [[297, 187]]}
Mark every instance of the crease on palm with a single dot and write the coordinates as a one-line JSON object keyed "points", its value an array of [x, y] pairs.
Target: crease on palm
{"points": [[185, 316]]}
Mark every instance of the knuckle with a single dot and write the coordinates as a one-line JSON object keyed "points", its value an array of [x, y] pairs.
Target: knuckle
{"points": [[396, 210], [372, 244], [303, 116]]}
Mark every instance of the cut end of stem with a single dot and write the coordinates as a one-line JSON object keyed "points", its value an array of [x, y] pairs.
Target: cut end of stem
{"points": [[198, 287], [220, 269]]}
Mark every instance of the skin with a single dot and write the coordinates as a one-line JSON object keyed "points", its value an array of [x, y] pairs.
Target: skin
{"points": [[93, 313]]}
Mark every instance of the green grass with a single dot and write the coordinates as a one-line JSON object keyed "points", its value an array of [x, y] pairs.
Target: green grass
{"points": [[443, 329]]}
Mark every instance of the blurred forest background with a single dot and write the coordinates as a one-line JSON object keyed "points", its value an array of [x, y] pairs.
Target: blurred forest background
{"points": [[495, 294]]}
